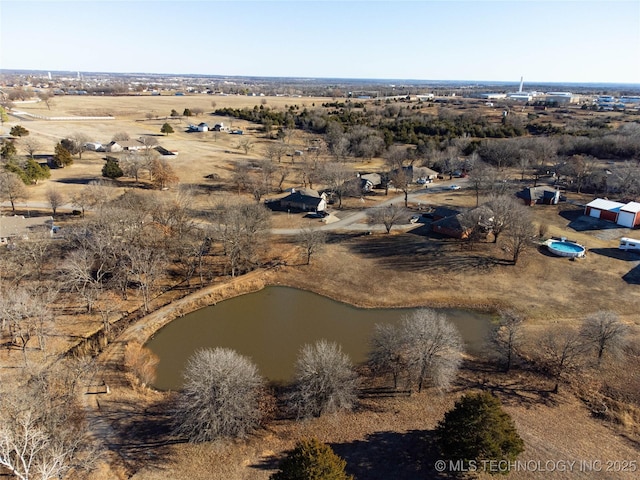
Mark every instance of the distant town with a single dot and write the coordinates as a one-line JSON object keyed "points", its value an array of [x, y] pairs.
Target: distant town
{"points": [[601, 96]]}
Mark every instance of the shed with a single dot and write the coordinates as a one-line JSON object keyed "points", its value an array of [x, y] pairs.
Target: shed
{"points": [[629, 215], [603, 209]]}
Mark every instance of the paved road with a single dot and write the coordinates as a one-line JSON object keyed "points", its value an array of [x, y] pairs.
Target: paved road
{"points": [[353, 221], [347, 221]]}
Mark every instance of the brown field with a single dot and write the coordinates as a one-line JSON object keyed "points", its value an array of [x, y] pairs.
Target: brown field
{"points": [[385, 438]]}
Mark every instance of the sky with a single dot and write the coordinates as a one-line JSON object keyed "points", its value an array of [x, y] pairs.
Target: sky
{"points": [[543, 41]]}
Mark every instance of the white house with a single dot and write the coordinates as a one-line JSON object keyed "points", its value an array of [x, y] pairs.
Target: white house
{"points": [[125, 145], [93, 146]]}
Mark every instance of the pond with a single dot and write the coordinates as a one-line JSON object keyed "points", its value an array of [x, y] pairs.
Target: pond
{"points": [[270, 327]]}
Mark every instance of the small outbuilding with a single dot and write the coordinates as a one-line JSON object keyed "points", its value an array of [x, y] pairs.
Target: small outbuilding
{"points": [[603, 209], [629, 215]]}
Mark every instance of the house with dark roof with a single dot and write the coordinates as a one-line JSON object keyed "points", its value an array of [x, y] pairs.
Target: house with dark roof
{"points": [[540, 195], [305, 199], [461, 225], [452, 226]]}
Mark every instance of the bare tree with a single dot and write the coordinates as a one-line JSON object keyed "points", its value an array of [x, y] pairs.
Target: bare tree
{"points": [[31, 256], [338, 178], [78, 141], [311, 240], [282, 174], [387, 216], [42, 435], [560, 351], [545, 151], [242, 228], [246, 145], [520, 233], [400, 170], [47, 98], [325, 381], [121, 136], [387, 351], [604, 333], [499, 153], [148, 141], [275, 151], [241, 178], [432, 348], [220, 397], [31, 145], [337, 141], [481, 178], [162, 173], [84, 272], [507, 337], [12, 188], [146, 262], [55, 199], [503, 211], [133, 164]]}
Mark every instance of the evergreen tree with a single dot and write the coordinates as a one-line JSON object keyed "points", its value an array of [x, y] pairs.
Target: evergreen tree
{"points": [[62, 157], [8, 150], [36, 172], [187, 112], [111, 169], [478, 429], [311, 460], [12, 167], [166, 129]]}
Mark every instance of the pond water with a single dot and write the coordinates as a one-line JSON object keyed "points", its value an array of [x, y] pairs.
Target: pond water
{"points": [[270, 327]]}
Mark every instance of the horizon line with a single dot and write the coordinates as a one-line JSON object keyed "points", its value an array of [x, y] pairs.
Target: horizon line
{"points": [[5, 70]]}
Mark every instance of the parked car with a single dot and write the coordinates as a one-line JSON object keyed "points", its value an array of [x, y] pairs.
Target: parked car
{"points": [[454, 187]]}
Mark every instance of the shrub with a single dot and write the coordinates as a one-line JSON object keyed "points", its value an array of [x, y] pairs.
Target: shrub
{"points": [[325, 381], [221, 396], [311, 460]]}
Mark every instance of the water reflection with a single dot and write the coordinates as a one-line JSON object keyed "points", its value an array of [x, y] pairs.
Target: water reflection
{"points": [[271, 325]]}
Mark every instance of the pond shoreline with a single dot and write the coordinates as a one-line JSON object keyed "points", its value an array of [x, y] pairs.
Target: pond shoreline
{"points": [[272, 324]]}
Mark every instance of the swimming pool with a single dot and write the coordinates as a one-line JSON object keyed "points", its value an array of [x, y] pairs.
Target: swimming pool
{"points": [[566, 249]]}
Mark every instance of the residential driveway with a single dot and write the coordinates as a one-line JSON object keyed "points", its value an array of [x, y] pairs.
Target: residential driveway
{"points": [[355, 221], [602, 229]]}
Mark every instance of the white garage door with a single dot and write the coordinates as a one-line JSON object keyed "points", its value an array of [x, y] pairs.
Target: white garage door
{"points": [[594, 212], [626, 219]]}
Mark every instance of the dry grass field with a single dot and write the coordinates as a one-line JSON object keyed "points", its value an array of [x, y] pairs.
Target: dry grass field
{"points": [[385, 438]]}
